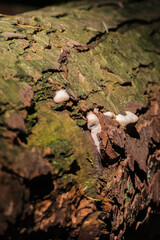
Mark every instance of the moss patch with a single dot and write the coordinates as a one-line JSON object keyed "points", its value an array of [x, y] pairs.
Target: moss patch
{"points": [[69, 144]]}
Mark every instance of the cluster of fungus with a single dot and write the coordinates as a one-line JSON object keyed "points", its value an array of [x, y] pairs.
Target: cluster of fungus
{"points": [[95, 127], [93, 123]]}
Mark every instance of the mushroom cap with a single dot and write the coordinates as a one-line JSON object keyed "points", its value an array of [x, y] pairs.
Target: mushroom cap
{"points": [[127, 119], [92, 119], [109, 114], [61, 96], [132, 117]]}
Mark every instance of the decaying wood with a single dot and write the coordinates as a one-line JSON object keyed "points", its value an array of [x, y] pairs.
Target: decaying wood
{"points": [[54, 183]]}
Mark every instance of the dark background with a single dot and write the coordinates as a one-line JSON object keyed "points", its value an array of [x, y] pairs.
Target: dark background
{"points": [[12, 7], [17, 6]]}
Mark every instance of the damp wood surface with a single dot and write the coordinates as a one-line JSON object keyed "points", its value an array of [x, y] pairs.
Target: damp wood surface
{"points": [[54, 183]]}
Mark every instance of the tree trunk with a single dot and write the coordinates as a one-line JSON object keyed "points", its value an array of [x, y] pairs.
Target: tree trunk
{"points": [[62, 177]]}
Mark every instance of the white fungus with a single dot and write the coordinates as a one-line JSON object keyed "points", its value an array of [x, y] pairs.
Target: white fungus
{"points": [[92, 119], [127, 119], [95, 110], [61, 96], [133, 118], [109, 114], [95, 128]]}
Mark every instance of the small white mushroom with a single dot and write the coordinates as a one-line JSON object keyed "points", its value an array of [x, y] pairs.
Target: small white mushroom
{"points": [[95, 127], [61, 96], [109, 114], [123, 121], [92, 120], [127, 119], [132, 117], [95, 110], [94, 132]]}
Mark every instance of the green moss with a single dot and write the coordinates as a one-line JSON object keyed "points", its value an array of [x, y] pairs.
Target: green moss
{"points": [[89, 187], [31, 121], [10, 92], [94, 73], [67, 141]]}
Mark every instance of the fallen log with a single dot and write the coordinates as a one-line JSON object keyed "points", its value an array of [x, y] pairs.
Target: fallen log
{"points": [[79, 122]]}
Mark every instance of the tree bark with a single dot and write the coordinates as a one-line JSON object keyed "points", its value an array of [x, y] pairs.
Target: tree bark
{"points": [[58, 179]]}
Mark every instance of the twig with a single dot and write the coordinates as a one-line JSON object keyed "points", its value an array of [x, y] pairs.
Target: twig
{"points": [[27, 26]]}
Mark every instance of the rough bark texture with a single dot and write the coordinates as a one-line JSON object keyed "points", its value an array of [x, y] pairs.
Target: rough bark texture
{"points": [[53, 182]]}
